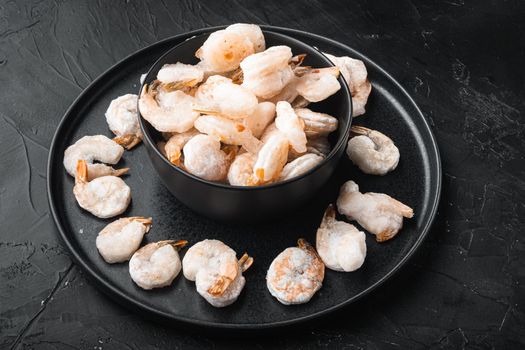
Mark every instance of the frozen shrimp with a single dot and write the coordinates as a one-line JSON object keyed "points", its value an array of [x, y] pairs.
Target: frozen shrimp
{"points": [[296, 274], [120, 239], [122, 119], [319, 84], [291, 126], [258, 121], [156, 264], [180, 75], [373, 152], [341, 246], [378, 213], [251, 31], [271, 158], [104, 197], [300, 165], [316, 124], [173, 147], [204, 158], [241, 170]]}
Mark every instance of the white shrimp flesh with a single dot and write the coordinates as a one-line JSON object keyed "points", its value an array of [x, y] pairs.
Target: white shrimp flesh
{"points": [[262, 117], [290, 126], [319, 84], [300, 166], [271, 158], [241, 170], [173, 147], [123, 121], [204, 158], [316, 124], [180, 75]]}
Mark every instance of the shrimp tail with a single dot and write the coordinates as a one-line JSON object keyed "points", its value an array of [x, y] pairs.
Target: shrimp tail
{"points": [[386, 235], [175, 244], [245, 262], [329, 215], [127, 141], [143, 220], [82, 172], [360, 130], [402, 208], [219, 287], [120, 172]]}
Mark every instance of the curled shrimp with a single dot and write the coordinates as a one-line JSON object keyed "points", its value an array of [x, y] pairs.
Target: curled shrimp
{"points": [[94, 148], [172, 112], [207, 277], [204, 158], [291, 126], [373, 152], [316, 124], [378, 213], [268, 72], [271, 158], [300, 166], [122, 119], [258, 121], [104, 197], [173, 147], [220, 96], [241, 170], [156, 264], [355, 74], [251, 31], [224, 50], [180, 75], [318, 84], [120, 239], [341, 246], [296, 274]]}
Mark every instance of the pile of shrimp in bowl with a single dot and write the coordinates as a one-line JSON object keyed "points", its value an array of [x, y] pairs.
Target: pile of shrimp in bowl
{"points": [[239, 116]]}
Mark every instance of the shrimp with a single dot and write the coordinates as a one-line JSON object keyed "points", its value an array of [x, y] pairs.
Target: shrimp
{"points": [[318, 84], [172, 112], [204, 158], [224, 50], [320, 146], [94, 148], [341, 246], [258, 121], [355, 74], [296, 274], [241, 170], [378, 213], [104, 197], [251, 31], [156, 264], [173, 147], [316, 124], [300, 165], [122, 119], [267, 73], [180, 75], [228, 131], [288, 93], [220, 96], [207, 277], [212, 254], [291, 126], [271, 158], [120, 239], [373, 152]]}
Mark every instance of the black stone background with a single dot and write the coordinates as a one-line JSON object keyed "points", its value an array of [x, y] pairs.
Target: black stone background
{"points": [[462, 61]]}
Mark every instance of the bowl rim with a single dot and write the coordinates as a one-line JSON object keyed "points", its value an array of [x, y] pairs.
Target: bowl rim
{"points": [[341, 142]]}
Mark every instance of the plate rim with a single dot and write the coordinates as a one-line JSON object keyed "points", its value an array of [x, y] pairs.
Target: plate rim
{"points": [[123, 299]]}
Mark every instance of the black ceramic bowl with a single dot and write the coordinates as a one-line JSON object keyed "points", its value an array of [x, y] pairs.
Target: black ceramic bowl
{"points": [[236, 203]]}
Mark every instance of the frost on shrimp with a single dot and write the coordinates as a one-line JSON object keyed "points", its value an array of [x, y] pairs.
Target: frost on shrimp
{"points": [[122, 119], [291, 126], [120, 239], [173, 147], [104, 197], [373, 152], [318, 84], [156, 264], [258, 121], [378, 213], [316, 124], [204, 158], [241, 170], [94, 148], [251, 31], [296, 274], [167, 111], [341, 246], [271, 158], [179, 75], [300, 165]]}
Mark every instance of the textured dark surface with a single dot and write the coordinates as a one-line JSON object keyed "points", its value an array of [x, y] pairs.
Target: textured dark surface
{"points": [[462, 62]]}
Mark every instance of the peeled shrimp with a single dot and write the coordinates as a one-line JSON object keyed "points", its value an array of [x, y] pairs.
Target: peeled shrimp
{"points": [[373, 152], [271, 158], [173, 147], [268, 72], [291, 126], [219, 95], [120, 239], [319, 84], [179, 75], [224, 50], [173, 111], [355, 74], [204, 158], [241, 170], [316, 124], [228, 132], [319, 146], [207, 277], [296, 274], [104, 197], [156, 264], [378, 213], [251, 31], [341, 246], [122, 119], [258, 121], [300, 165], [94, 148]]}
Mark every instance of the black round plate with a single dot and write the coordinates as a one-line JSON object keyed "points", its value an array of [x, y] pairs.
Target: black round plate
{"points": [[416, 182]]}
